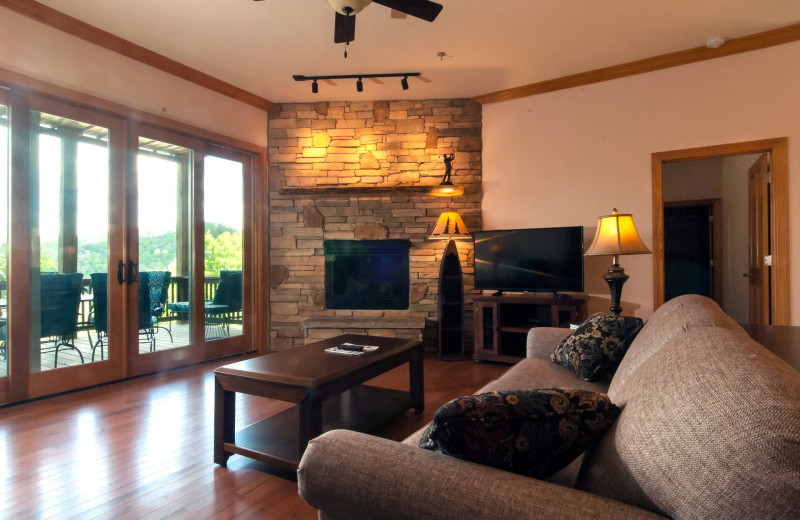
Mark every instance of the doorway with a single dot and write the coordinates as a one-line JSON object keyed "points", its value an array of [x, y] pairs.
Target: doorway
{"points": [[692, 249], [774, 235]]}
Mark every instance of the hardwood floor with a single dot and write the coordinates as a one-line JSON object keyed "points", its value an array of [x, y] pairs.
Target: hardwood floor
{"points": [[143, 448]]}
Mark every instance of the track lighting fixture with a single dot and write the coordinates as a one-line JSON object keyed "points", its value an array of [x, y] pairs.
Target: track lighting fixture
{"points": [[358, 77]]}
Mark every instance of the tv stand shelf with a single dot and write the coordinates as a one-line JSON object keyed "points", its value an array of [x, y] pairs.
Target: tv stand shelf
{"points": [[502, 322]]}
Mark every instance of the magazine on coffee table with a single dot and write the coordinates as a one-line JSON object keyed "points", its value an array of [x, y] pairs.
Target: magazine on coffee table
{"points": [[351, 349]]}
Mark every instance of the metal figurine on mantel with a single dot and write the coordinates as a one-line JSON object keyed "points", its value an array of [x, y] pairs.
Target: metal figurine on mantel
{"points": [[448, 167]]}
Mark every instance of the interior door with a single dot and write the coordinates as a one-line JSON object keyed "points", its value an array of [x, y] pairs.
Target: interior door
{"points": [[687, 251], [759, 232]]}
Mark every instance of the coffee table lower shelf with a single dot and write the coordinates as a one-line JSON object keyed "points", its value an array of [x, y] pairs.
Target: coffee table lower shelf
{"points": [[274, 440]]}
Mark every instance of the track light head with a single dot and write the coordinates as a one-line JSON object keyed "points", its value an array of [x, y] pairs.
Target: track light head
{"points": [[360, 77]]}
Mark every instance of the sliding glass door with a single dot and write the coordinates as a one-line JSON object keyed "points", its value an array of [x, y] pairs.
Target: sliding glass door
{"points": [[131, 250], [187, 240], [75, 200], [4, 161]]}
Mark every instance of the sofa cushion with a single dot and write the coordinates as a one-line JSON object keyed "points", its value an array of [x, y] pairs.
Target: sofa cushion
{"points": [[673, 319], [531, 432], [710, 429], [596, 347]]}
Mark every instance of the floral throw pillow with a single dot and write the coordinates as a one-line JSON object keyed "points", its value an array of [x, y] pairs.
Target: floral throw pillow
{"points": [[596, 347], [530, 432]]}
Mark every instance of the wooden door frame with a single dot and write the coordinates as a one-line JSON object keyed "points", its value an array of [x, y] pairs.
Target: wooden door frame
{"points": [[779, 213]]}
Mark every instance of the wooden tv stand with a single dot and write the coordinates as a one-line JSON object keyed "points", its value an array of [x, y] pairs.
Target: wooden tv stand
{"points": [[502, 322]]}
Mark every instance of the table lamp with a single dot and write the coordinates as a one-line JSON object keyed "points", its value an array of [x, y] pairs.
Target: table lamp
{"points": [[449, 226], [616, 235]]}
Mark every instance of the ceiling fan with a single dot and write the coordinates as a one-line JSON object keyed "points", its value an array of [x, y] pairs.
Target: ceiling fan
{"points": [[346, 11]]}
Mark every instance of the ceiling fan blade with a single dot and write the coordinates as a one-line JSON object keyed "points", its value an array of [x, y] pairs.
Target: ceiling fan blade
{"points": [[424, 9], [345, 28]]}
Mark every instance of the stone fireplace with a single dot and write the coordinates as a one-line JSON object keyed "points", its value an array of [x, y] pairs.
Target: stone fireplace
{"points": [[355, 172]]}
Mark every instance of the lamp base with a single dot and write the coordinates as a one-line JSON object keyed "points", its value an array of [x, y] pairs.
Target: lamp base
{"points": [[615, 277]]}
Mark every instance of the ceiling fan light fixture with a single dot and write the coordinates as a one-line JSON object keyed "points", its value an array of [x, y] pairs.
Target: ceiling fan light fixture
{"points": [[359, 85], [349, 7], [404, 82]]}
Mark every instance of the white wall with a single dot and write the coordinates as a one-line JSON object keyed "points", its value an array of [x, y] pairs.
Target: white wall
{"points": [[44, 53], [566, 157], [693, 180]]}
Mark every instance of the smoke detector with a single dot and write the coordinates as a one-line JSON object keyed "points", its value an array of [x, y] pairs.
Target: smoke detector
{"points": [[715, 41]]}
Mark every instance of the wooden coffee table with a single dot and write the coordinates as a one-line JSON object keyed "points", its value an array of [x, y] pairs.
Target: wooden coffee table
{"points": [[328, 391]]}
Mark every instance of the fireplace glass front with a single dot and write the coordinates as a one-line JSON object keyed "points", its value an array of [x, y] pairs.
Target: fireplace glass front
{"points": [[366, 274]]}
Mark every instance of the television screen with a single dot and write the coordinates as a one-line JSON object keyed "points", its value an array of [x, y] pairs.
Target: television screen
{"points": [[536, 260]]}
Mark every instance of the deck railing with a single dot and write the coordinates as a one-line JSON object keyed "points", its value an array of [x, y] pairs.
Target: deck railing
{"points": [[178, 291]]}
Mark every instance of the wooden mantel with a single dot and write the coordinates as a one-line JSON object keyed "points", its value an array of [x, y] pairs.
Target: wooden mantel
{"points": [[366, 190]]}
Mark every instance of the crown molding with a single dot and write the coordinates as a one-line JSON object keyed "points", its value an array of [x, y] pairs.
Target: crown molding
{"points": [[58, 20], [733, 46]]}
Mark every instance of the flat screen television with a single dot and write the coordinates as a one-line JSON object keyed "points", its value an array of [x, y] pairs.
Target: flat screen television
{"points": [[530, 260]]}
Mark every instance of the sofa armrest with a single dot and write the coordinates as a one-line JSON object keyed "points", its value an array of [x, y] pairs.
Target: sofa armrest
{"points": [[346, 474], [542, 341]]}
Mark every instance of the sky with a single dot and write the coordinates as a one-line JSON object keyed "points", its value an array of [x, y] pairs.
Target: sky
{"points": [[158, 192]]}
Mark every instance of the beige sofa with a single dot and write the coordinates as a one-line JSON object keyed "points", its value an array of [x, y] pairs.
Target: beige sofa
{"points": [[710, 428]]}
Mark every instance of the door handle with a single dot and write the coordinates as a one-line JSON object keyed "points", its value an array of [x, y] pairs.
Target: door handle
{"points": [[747, 275], [121, 272], [133, 271]]}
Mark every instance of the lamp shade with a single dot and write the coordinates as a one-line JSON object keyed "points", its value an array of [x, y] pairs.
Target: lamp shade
{"points": [[616, 235], [449, 226]]}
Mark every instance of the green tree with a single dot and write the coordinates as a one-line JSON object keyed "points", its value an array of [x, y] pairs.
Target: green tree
{"points": [[223, 252], [3, 262]]}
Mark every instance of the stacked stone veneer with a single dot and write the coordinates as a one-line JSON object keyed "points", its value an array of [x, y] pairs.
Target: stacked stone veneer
{"points": [[357, 147]]}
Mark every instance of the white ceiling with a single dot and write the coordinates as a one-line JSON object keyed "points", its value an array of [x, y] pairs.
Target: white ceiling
{"points": [[491, 45]]}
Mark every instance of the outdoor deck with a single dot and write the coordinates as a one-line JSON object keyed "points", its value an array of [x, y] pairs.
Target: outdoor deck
{"points": [[69, 357]]}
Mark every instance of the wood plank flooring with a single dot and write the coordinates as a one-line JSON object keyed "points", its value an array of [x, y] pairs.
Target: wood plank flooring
{"points": [[142, 448]]}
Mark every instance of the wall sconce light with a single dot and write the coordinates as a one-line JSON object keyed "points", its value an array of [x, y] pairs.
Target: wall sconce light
{"points": [[616, 235], [359, 77]]}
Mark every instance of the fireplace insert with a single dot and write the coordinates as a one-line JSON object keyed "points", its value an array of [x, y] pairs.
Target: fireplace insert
{"points": [[366, 274]]}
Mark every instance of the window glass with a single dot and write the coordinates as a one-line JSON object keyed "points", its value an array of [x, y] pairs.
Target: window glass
{"points": [[164, 180], [69, 241], [223, 216]]}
